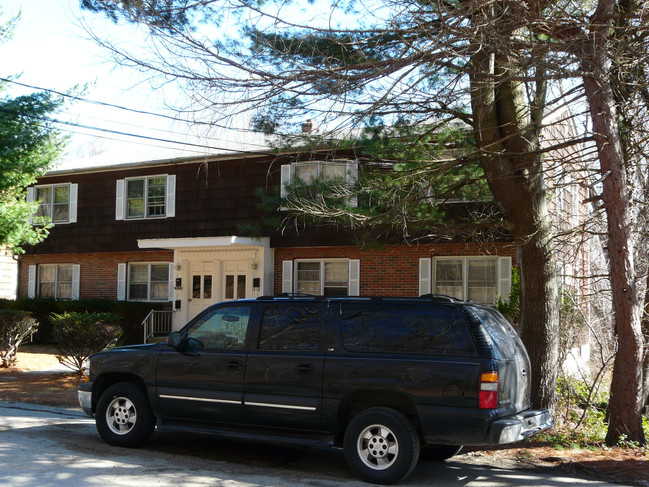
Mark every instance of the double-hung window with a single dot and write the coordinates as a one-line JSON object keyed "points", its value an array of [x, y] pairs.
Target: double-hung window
{"points": [[313, 175], [480, 278], [58, 281], [148, 281], [334, 277], [145, 197], [57, 202]]}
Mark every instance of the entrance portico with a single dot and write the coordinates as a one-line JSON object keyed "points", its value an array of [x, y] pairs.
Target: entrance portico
{"points": [[208, 270]]}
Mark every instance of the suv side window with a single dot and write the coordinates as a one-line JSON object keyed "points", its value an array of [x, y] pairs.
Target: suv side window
{"points": [[221, 329], [404, 328], [294, 328]]}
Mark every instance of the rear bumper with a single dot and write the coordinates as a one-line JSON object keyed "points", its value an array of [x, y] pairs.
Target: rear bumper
{"points": [[518, 427]]}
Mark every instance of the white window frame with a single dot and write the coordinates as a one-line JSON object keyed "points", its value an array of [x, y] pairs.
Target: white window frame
{"points": [[73, 189], [121, 198], [287, 174], [427, 280], [34, 280], [290, 270], [124, 282]]}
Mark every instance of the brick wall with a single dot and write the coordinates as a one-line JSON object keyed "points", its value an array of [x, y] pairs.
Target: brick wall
{"points": [[98, 269], [392, 270]]}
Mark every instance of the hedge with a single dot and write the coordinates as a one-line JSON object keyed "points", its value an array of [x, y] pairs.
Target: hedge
{"points": [[131, 314]]}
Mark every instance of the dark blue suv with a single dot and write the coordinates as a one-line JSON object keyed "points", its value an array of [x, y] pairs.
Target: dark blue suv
{"points": [[380, 377]]}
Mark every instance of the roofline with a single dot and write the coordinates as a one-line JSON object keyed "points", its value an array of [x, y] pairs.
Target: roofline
{"points": [[158, 162], [181, 160]]}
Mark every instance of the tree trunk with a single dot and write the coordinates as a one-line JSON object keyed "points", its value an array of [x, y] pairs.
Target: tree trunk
{"points": [[645, 367], [540, 317], [508, 144], [625, 403]]}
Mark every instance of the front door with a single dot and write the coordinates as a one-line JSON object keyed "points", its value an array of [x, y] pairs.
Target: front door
{"points": [[203, 292], [235, 280]]}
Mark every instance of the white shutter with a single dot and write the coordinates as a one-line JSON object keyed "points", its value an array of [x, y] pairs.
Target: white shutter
{"points": [[287, 276], [171, 196], [31, 195], [285, 180], [121, 282], [171, 281], [31, 282], [76, 279], [351, 176], [119, 200], [354, 277], [504, 277], [425, 266], [74, 189]]}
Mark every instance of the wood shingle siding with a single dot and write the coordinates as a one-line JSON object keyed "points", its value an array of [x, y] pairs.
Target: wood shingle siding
{"points": [[211, 199]]}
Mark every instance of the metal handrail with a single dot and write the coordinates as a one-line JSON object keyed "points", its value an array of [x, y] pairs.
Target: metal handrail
{"points": [[156, 323]]}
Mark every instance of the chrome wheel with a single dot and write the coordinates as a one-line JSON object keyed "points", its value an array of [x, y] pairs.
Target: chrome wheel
{"points": [[381, 445], [124, 416], [377, 447], [121, 416]]}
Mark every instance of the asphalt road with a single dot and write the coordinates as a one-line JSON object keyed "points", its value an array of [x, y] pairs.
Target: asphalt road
{"points": [[41, 446]]}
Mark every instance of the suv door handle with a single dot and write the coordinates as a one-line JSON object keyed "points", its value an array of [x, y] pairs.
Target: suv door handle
{"points": [[304, 368], [235, 364]]}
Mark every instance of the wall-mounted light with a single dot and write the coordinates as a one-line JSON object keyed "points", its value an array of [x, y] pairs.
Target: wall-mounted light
{"points": [[253, 266]]}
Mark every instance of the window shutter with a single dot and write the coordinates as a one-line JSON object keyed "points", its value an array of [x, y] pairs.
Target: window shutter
{"points": [[119, 200], [351, 176], [171, 281], [31, 195], [287, 276], [425, 266], [121, 282], [504, 277], [74, 189], [76, 279], [354, 284], [31, 282], [171, 196], [285, 180]]}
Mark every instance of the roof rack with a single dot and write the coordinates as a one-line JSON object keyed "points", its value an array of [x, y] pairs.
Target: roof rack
{"points": [[306, 296], [441, 297], [291, 296]]}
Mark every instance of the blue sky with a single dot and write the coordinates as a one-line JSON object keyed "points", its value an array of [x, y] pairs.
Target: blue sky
{"points": [[50, 49]]}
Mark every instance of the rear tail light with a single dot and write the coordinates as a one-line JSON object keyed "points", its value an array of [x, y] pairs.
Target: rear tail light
{"points": [[488, 390]]}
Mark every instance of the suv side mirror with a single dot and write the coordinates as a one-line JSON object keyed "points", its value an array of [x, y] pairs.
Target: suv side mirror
{"points": [[173, 340]]}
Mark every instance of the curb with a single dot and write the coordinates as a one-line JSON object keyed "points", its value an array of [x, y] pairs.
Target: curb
{"points": [[24, 406]]}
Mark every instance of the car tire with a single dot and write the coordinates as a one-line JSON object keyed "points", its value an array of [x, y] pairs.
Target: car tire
{"points": [[124, 416], [381, 445], [439, 453]]}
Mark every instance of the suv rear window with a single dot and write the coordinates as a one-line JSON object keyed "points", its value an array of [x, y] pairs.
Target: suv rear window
{"points": [[502, 333], [404, 328]]}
